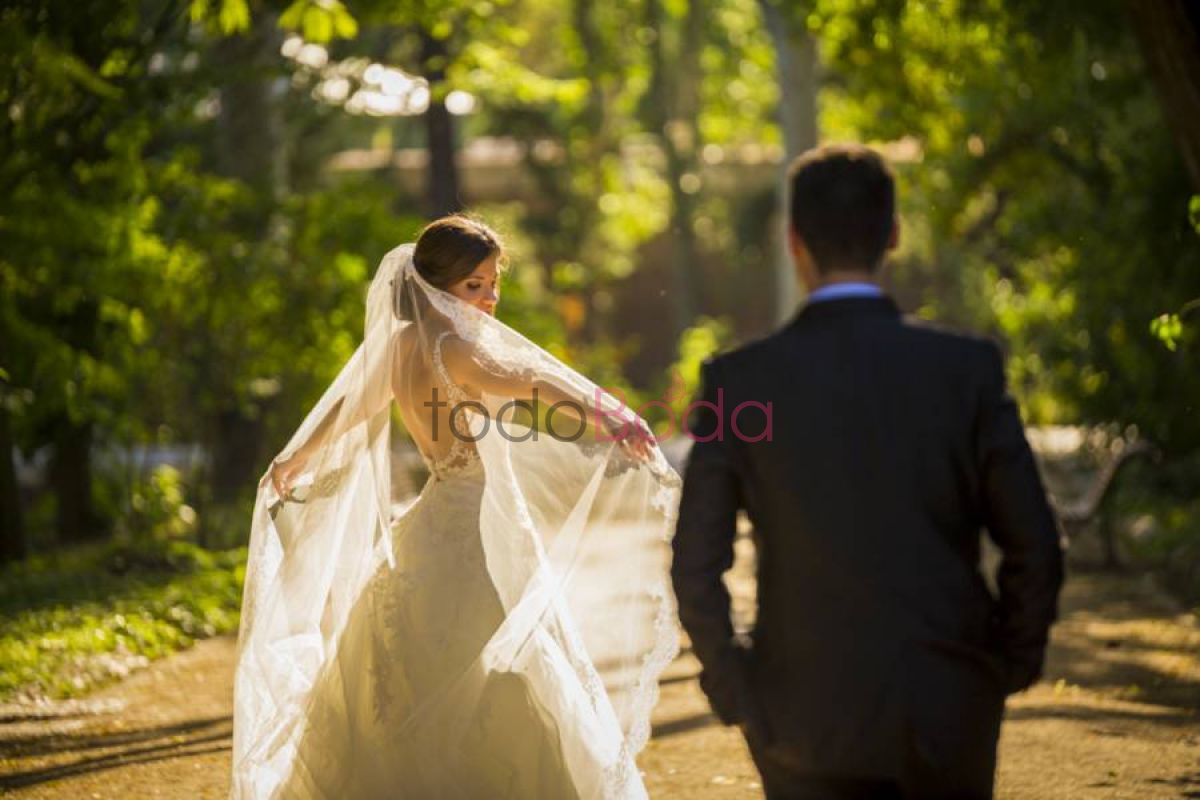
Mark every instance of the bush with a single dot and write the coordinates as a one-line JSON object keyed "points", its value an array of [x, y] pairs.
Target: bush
{"points": [[75, 619], [1158, 518]]}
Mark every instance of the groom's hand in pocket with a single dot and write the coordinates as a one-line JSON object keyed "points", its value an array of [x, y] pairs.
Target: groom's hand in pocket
{"points": [[731, 693]]}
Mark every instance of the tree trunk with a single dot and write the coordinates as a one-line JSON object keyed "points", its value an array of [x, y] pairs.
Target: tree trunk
{"points": [[250, 123], [252, 150], [796, 66], [600, 142], [443, 196], [1169, 34], [71, 481], [13, 544], [71, 463], [235, 454], [675, 110]]}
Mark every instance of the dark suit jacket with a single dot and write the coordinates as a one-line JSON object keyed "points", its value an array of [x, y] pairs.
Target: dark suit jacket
{"points": [[891, 445]]}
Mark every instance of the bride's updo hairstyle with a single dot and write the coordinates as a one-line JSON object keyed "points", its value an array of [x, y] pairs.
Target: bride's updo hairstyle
{"points": [[447, 251], [450, 248]]}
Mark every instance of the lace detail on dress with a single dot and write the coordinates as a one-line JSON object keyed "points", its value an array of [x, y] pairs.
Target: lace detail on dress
{"points": [[462, 457]]}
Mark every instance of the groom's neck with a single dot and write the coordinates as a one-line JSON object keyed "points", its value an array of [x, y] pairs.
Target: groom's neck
{"points": [[843, 276]]}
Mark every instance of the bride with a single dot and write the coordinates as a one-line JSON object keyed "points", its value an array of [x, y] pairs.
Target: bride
{"points": [[501, 634]]}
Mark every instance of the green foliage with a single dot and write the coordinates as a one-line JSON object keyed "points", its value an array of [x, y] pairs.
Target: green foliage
{"points": [[707, 337], [561, 76], [319, 21], [261, 325], [738, 89], [1168, 328], [1157, 516], [140, 290], [1042, 199], [155, 286], [71, 620], [157, 506], [223, 16]]}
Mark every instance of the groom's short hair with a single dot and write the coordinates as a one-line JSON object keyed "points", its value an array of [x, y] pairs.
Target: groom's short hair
{"points": [[843, 204]]}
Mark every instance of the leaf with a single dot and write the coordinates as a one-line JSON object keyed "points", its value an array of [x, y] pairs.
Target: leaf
{"points": [[344, 25], [198, 10], [318, 26], [234, 16], [319, 21], [1167, 328], [54, 58], [293, 16], [1194, 212]]}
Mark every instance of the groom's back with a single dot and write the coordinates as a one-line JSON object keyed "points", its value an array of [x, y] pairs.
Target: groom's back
{"points": [[866, 503], [871, 456], [878, 653]]}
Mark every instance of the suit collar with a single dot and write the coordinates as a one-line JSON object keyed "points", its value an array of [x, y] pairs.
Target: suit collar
{"points": [[846, 306]]}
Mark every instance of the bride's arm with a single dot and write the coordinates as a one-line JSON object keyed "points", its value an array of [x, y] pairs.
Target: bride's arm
{"points": [[375, 395], [468, 367]]}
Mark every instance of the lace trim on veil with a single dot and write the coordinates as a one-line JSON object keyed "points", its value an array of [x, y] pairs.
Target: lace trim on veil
{"points": [[309, 564]]}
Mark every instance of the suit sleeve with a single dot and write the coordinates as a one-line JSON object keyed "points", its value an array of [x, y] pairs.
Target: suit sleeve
{"points": [[1020, 522], [703, 551]]}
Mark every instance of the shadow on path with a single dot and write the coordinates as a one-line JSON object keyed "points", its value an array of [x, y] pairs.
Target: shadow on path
{"points": [[1121, 638], [126, 747], [48, 743], [692, 722]]}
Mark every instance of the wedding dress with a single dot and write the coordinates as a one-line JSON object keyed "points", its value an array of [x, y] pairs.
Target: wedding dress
{"points": [[498, 636]]}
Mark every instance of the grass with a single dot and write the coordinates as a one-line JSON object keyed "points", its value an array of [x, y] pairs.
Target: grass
{"points": [[72, 620]]}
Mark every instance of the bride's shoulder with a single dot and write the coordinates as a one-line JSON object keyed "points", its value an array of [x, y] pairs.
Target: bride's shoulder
{"points": [[407, 339], [453, 349], [428, 336]]}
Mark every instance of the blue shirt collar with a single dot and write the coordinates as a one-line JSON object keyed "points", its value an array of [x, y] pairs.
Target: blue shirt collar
{"points": [[839, 291]]}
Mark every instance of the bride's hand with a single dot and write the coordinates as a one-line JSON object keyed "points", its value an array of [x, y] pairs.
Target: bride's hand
{"points": [[283, 475], [634, 438]]}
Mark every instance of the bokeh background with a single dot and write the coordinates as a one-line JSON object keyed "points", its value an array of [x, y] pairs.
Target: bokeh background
{"points": [[195, 193]]}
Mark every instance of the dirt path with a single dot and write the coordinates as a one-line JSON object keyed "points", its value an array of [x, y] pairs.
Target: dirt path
{"points": [[1117, 717]]}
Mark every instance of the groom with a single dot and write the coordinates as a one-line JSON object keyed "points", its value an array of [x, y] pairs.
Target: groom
{"points": [[868, 453]]}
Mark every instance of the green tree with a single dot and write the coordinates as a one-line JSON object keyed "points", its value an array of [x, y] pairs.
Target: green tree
{"points": [[161, 280], [78, 89], [1045, 198]]}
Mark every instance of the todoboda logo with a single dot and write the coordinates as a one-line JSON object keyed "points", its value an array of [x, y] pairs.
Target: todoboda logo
{"points": [[610, 424]]}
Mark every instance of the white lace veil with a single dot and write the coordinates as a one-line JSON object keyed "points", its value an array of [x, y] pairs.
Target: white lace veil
{"points": [[574, 536]]}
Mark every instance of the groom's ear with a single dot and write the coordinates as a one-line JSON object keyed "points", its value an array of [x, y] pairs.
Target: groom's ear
{"points": [[807, 272], [894, 237], [796, 245]]}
